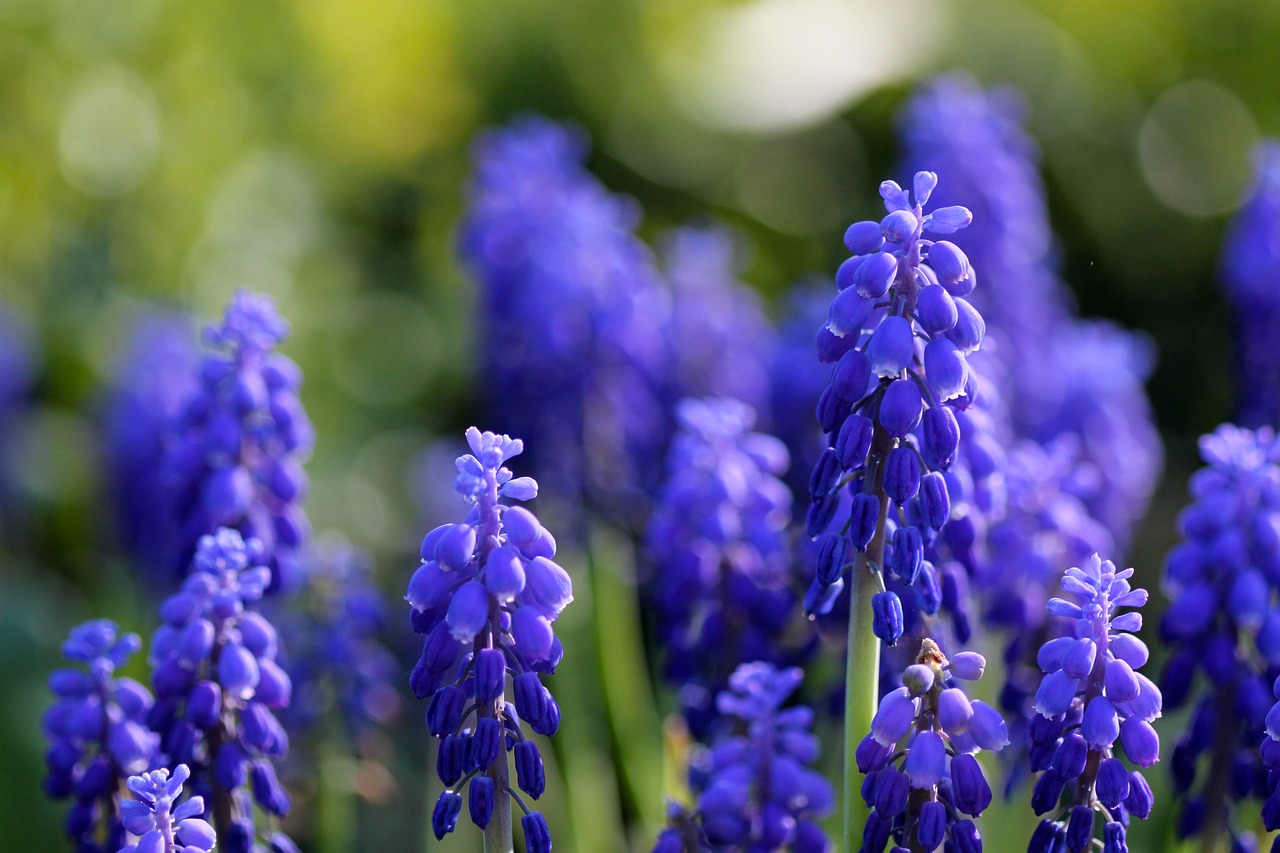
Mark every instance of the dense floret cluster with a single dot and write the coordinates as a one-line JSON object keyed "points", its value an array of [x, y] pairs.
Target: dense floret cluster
{"points": [[921, 773], [719, 550], [236, 452], [566, 284], [97, 733], [218, 688], [898, 332], [1090, 697], [1223, 624], [486, 596], [754, 786], [161, 825]]}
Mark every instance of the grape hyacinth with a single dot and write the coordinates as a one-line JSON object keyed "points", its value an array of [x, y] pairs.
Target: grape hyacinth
{"points": [[97, 733], [889, 410], [572, 313], [236, 455], [1224, 624], [486, 596], [1090, 697], [898, 333], [335, 655], [724, 339], [218, 686], [161, 825], [155, 377], [919, 803], [754, 786], [1251, 271], [1061, 375], [718, 545]]}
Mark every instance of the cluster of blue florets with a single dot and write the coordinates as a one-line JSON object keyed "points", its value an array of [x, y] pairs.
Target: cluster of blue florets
{"points": [[235, 454], [1090, 697], [97, 731], [486, 596], [921, 773], [720, 553], [898, 333], [755, 787], [218, 688]]}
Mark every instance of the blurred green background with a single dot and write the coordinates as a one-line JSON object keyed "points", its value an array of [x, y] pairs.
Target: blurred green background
{"points": [[317, 150]]}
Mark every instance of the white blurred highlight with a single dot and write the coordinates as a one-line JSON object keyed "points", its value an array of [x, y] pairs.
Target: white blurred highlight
{"points": [[777, 64], [109, 134]]}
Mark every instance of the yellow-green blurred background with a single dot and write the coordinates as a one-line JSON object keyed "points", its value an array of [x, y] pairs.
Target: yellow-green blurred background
{"points": [[317, 150]]}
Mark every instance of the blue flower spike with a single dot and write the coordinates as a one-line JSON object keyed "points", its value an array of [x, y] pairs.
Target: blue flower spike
{"points": [[1090, 697], [923, 782], [486, 597]]}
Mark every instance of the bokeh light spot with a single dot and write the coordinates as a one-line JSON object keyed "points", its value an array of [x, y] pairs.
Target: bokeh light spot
{"points": [[1194, 147]]}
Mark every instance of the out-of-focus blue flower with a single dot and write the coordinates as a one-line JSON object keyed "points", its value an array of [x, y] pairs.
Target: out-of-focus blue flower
{"points": [[486, 596], [333, 645], [1061, 375], [718, 549], [218, 686], [921, 774], [17, 377], [161, 825], [796, 382], [1223, 625], [154, 379], [755, 787], [1251, 271], [235, 455], [97, 733], [899, 332], [1090, 697], [572, 314], [722, 340]]}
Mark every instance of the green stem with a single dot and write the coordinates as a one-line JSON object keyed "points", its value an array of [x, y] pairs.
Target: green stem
{"points": [[862, 658], [862, 678]]}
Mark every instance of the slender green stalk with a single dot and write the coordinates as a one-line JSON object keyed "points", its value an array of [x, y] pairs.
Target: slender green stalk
{"points": [[862, 664]]}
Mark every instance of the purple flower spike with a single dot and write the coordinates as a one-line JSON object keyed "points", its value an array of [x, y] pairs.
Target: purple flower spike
{"points": [[717, 542], [923, 737], [489, 613], [97, 731], [234, 454], [756, 790], [218, 683], [1087, 686], [901, 377]]}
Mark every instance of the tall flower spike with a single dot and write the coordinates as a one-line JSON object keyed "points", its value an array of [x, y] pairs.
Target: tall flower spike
{"points": [[335, 655], [97, 733], [900, 373], [725, 340], [1090, 697], [1251, 269], [218, 686], [486, 596], [235, 459], [163, 826], [719, 552], [572, 312], [1043, 528], [921, 774], [156, 376], [1223, 626], [755, 788], [1062, 376]]}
